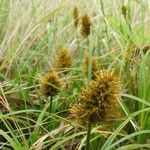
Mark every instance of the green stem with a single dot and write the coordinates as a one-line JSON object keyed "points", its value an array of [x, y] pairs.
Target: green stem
{"points": [[128, 18], [78, 42], [88, 136], [90, 67], [103, 12], [88, 44], [50, 106]]}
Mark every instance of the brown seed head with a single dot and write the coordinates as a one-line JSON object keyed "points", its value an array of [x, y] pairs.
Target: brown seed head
{"points": [[124, 10], [64, 59], [85, 26], [50, 84], [146, 48], [75, 16], [99, 99], [94, 65]]}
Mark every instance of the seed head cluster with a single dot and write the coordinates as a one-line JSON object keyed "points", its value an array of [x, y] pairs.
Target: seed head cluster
{"points": [[50, 84], [98, 100], [94, 65], [124, 10], [64, 59], [76, 16], [85, 26]]}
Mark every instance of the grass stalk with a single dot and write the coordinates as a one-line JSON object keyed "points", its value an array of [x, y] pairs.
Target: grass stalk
{"points": [[88, 136], [50, 103], [103, 12], [78, 41]]}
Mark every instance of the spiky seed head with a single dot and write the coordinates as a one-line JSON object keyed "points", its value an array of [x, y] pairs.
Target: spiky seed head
{"points": [[78, 112], [99, 99], [76, 16], [85, 25], [50, 84], [124, 10], [64, 60], [146, 48], [94, 65], [137, 50]]}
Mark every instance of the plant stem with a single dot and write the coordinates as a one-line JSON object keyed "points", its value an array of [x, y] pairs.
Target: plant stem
{"points": [[103, 12], [78, 42], [88, 44], [50, 106], [88, 136], [90, 67]]}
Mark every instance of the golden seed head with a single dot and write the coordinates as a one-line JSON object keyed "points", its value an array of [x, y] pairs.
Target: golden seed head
{"points": [[94, 65], [75, 16], [137, 50], [64, 59], [85, 25], [78, 112], [124, 10], [50, 84], [146, 48], [99, 99]]}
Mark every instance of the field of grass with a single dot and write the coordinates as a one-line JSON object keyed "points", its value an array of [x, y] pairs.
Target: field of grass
{"points": [[74, 75]]}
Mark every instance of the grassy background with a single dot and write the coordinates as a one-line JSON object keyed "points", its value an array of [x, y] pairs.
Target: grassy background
{"points": [[31, 34]]}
